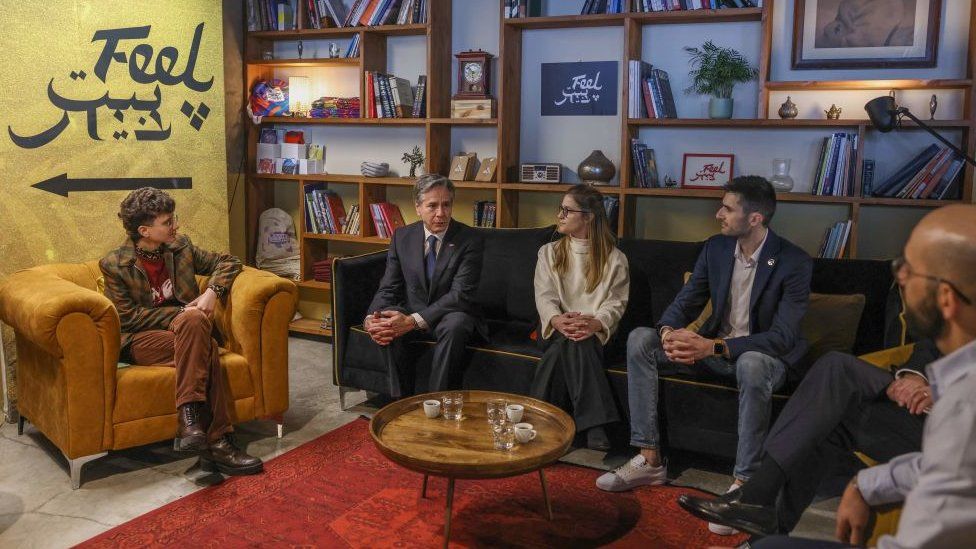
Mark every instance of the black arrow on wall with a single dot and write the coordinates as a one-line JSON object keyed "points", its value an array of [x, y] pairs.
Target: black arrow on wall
{"points": [[62, 185]]}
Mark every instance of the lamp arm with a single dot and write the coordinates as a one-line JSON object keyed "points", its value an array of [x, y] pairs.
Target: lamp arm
{"points": [[924, 126]]}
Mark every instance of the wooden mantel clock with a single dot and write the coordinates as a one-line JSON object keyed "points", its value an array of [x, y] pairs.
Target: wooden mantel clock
{"points": [[474, 70]]}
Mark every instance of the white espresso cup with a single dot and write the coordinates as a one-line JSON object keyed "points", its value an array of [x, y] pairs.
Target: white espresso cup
{"points": [[514, 412], [432, 408], [524, 432]]}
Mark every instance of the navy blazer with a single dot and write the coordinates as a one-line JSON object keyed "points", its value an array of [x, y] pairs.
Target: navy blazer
{"points": [[780, 293], [453, 287]]}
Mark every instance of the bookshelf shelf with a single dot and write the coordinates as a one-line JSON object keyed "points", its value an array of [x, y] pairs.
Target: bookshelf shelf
{"points": [[463, 121], [904, 84], [344, 121], [348, 238], [566, 21], [778, 123], [727, 15], [307, 34], [554, 187], [805, 198], [315, 284], [908, 202], [308, 326], [319, 62]]}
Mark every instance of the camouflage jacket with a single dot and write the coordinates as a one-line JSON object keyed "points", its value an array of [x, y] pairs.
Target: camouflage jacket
{"points": [[127, 284]]}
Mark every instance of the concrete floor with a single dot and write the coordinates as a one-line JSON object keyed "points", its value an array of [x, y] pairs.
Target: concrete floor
{"points": [[38, 508]]}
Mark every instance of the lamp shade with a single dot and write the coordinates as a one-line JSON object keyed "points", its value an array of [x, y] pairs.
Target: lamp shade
{"points": [[299, 95], [882, 112]]}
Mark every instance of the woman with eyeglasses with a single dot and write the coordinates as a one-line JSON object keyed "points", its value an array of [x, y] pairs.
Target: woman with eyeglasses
{"points": [[581, 289]]}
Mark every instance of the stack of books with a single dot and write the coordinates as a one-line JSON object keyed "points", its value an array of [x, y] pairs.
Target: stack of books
{"points": [[386, 218], [650, 92], [317, 10], [371, 13], [392, 96], [835, 170], [322, 269], [591, 7], [484, 213], [675, 5], [324, 211], [644, 166], [335, 107], [933, 174], [270, 15], [352, 221], [835, 238]]}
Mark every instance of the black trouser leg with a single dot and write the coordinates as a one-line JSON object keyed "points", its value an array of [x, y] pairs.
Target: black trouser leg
{"points": [[453, 332]]}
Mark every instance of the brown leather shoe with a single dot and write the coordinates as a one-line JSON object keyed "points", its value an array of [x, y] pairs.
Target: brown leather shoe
{"points": [[224, 456], [190, 436]]}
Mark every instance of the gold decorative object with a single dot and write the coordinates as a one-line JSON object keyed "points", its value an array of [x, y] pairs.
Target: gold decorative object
{"points": [[833, 113]]}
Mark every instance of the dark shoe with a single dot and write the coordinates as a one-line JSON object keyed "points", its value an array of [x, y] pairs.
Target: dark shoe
{"points": [[190, 436], [596, 439], [729, 511], [224, 456]]}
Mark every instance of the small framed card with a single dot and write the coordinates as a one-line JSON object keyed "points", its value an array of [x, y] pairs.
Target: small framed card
{"points": [[487, 170], [706, 171]]}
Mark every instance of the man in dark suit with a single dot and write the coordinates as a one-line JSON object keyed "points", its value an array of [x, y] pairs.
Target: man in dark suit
{"points": [[432, 273], [759, 285]]}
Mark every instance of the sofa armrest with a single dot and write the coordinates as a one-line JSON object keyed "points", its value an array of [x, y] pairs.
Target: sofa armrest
{"points": [[254, 322], [68, 350], [354, 283], [885, 358]]}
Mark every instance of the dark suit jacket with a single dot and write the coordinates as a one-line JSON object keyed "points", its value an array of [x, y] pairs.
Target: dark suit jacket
{"points": [[780, 293], [456, 274]]}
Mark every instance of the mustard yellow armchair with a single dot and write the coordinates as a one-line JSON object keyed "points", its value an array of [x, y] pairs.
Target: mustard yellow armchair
{"points": [[69, 381], [886, 519]]}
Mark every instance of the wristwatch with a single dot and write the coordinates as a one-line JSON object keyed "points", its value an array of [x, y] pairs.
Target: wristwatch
{"points": [[718, 347]]}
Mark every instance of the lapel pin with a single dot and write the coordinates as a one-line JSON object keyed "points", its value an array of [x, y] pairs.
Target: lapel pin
{"points": [[771, 262]]}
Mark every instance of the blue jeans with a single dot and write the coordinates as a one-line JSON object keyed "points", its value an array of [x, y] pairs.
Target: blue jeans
{"points": [[757, 376]]}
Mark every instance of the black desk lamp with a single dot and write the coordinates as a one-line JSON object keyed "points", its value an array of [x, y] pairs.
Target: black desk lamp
{"points": [[885, 116]]}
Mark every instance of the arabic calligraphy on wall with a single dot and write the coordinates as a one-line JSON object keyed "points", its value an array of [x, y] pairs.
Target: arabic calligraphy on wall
{"points": [[586, 88]]}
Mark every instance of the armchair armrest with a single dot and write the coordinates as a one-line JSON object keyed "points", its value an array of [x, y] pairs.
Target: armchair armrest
{"points": [[76, 330], [254, 321], [354, 283]]}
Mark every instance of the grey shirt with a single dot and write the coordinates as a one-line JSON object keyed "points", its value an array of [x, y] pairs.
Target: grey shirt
{"points": [[938, 484]]}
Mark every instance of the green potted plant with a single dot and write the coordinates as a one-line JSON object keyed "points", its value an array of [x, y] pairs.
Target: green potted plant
{"points": [[715, 71]]}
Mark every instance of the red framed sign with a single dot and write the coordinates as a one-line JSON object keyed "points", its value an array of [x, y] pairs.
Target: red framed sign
{"points": [[706, 171]]}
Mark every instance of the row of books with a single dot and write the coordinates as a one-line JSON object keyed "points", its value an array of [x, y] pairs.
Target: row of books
{"points": [[484, 213], [675, 5], [835, 169], [273, 15], [933, 173], [317, 10], [324, 211], [835, 239], [644, 165], [650, 92], [386, 218], [393, 97], [523, 8], [322, 269], [371, 13], [353, 49], [591, 7]]}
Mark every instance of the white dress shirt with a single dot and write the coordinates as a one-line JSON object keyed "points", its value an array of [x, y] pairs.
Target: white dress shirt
{"points": [[938, 484], [735, 322]]}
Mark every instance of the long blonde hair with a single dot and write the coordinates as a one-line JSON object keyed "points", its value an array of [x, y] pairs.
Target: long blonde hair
{"points": [[602, 240]]}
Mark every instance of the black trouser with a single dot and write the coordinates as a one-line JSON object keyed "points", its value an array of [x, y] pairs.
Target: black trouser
{"points": [[571, 376], [783, 542], [840, 406], [451, 335]]}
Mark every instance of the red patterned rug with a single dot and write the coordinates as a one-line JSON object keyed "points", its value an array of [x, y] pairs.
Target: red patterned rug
{"points": [[339, 491]]}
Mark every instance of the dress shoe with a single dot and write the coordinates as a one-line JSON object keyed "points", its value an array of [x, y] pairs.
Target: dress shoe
{"points": [[190, 436], [224, 456], [729, 511], [722, 529]]}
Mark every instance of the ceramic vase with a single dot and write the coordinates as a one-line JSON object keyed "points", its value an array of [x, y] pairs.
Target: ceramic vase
{"points": [[720, 107], [596, 169]]}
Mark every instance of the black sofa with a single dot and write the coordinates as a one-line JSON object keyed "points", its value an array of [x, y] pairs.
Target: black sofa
{"points": [[697, 414]]}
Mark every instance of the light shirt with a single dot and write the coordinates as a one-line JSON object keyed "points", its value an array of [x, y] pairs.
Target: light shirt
{"points": [[735, 322], [938, 484], [421, 323], [555, 295]]}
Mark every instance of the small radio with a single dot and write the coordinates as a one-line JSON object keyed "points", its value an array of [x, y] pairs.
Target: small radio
{"points": [[540, 173]]}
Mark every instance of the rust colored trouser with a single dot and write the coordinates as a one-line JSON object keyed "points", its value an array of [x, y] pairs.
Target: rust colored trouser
{"points": [[189, 347]]}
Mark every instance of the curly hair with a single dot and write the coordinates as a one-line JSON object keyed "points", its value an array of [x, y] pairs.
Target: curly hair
{"points": [[141, 207]]}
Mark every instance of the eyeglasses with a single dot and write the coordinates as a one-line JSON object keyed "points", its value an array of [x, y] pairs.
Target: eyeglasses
{"points": [[563, 211], [900, 265], [174, 220]]}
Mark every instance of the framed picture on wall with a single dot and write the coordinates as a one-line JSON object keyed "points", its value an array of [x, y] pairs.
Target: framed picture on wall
{"points": [[844, 34], [706, 171]]}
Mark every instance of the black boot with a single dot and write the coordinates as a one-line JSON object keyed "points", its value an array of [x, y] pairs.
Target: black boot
{"points": [[190, 436], [224, 456]]}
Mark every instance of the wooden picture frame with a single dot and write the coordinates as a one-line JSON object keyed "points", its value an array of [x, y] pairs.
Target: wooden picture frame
{"points": [[821, 41], [486, 172], [706, 171]]}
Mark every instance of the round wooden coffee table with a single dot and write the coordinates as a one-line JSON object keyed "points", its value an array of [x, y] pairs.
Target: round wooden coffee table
{"points": [[465, 448]]}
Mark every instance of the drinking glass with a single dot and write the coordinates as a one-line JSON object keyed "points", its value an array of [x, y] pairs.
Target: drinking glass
{"points": [[504, 436], [452, 404], [496, 410]]}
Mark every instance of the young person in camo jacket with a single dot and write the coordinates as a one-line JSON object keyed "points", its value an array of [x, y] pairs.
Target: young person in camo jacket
{"points": [[165, 320]]}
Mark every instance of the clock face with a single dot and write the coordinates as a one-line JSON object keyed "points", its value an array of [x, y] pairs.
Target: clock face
{"points": [[472, 72]]}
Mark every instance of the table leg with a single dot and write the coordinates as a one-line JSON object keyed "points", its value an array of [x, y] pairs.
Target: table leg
{"points": [[545, 493], [423, 491], [447, 516]]}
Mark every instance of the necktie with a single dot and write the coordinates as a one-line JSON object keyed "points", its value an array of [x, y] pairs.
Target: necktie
{"points": [[431, 258]]}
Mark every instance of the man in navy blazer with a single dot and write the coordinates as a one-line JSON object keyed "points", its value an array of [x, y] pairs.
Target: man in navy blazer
{"points": [[432, 271], [758, 284]]}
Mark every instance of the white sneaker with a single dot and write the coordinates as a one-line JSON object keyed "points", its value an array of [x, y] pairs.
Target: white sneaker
{"points": [[634, 473], [722, 529]]}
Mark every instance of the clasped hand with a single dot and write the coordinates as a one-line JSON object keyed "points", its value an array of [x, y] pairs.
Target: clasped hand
{"points": [[205, 302], [576, 326], [685, 347], [385, 326], [911, 391]]}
